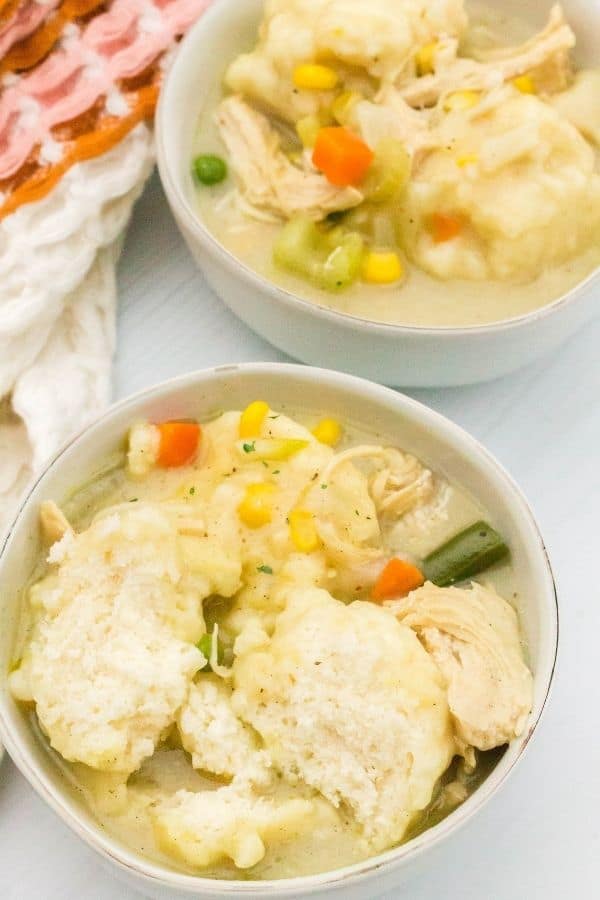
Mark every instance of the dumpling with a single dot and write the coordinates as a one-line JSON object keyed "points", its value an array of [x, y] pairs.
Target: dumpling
{"points": [[112, 654], [229, 823], [520, 181], [473, 636], [212, 734], [579, 104], [347, 701], [376, 36]]}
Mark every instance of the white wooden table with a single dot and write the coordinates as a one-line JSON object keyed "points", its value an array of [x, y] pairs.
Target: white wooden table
{"points": [[541, 837]]}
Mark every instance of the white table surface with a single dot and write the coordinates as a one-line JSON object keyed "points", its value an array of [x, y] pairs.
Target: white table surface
{"points": [[541, 837]]}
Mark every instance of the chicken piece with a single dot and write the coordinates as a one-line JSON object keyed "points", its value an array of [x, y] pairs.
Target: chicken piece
{"points": [[375, 38], [53, 522], [345, 515], [212, 734], [267, 179], [348, 701], [521, 150], [545, 54], [391, 117], [397, 482], [402, 484], [232, 822], [473, 636]]}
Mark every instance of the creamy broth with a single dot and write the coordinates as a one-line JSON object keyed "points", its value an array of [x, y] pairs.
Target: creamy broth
{"points": [[420, 299], [333, 843]]}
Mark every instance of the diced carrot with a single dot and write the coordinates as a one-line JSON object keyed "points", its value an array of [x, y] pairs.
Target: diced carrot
{"points": [[444, 227], [178, 443], [342, 157], [397, 579]]}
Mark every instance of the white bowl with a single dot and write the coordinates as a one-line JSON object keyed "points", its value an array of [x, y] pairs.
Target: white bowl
{"points": [[398, 420], [392, 354]]}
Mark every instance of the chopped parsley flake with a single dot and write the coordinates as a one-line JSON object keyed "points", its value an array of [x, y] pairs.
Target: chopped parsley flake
{"points": [[324, 487], [276, 472], [267, 570], [192, 490], [249, 448]]}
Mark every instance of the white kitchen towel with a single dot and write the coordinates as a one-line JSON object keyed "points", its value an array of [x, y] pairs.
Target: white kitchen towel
{"points": [[57, 308]]}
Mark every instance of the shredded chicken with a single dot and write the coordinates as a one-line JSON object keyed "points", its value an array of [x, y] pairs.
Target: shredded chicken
{"points": [[402, 484], [392, 117], [546, 52], [473, 636], [399, 482], [267, 179]]}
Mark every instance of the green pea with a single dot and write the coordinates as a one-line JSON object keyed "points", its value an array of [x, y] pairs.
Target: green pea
{"points": [[210, 169]]}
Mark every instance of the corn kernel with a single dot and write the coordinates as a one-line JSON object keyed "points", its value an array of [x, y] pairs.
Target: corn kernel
{"points": [[252, 419], [328, 431], [343, 104], [255, 510], [467, 159], [525, 84], [307, 129], [313, 77], [460, 100], [425, 58], [303, 532], [382, 267]]}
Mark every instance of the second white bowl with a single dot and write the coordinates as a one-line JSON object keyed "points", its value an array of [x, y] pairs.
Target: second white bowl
{"points": [[393, 354]]}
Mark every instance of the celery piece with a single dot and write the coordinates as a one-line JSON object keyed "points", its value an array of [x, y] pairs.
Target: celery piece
{"points": [[308, 129], [389, 172], [343, 105], [330, 259]]}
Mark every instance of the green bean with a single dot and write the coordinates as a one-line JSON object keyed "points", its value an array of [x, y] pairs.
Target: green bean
{"points": [[464, 555]]}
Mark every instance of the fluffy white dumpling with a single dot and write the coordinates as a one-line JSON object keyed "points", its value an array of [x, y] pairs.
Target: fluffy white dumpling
{"points": [[348, 701], [230, 823], [212, 734], [112, 657], [579, 104], [376, 36], [473, 636], [520, 179]]}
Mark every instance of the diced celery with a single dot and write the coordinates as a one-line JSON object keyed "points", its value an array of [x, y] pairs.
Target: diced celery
{"points": [[330, 259], [342, 265], [308, 129], [342, 106], [390, 171]]}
